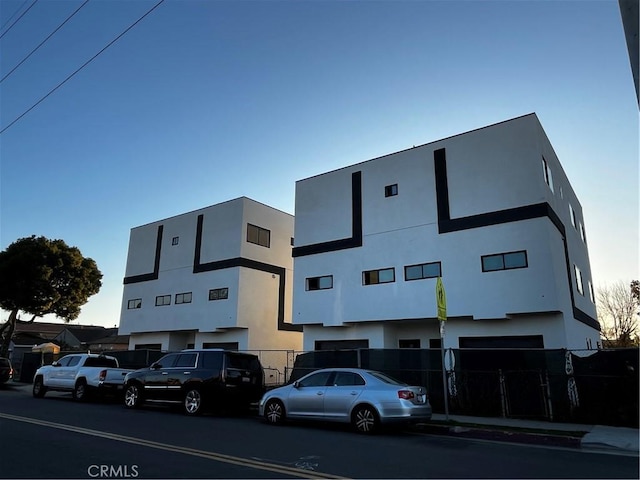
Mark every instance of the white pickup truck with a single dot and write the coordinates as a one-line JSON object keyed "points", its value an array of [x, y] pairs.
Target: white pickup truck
{"points": [[82, 374]]}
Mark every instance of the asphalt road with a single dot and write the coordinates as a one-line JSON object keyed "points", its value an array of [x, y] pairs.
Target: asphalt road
{"points": [[56, 437]]}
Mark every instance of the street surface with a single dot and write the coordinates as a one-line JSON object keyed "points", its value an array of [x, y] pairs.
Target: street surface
{"points": [[56, 437]]}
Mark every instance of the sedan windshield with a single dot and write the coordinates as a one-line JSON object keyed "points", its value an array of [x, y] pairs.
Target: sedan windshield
{"points": [[386, 378]]}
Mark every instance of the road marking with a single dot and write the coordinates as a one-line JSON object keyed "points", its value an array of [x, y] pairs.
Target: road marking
{"points": [[219, 457]]}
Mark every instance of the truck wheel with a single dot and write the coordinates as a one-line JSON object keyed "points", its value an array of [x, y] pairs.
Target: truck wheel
{"points": [[81, 391], [192, 402], [38, 388], [132, 396]]}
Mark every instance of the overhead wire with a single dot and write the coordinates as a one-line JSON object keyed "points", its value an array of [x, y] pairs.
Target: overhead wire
{"points": [[14, 14], [44, 41], [18, 19], [81, 67]]}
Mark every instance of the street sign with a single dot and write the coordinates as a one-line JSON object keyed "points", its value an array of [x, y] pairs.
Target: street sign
{"points": [[441, 299]]}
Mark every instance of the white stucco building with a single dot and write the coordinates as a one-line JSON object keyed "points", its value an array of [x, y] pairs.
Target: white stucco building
{"points": [[491, 211], [219, 277]]}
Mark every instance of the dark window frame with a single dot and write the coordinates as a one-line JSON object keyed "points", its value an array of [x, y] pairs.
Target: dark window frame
{"points": [[135, 305], [391, 190], [579, 279], [504, 264], [175, 241], [182, 298], [262, 235], [163, 299], [308, 281], [423, 277], [368, 280], [218, 294]]}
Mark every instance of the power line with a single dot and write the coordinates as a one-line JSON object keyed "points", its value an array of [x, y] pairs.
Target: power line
{"points": [[44, 41], [18, 19], [81, 67], [14, 14]]}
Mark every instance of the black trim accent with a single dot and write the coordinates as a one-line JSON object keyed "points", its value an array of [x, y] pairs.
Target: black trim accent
{"points": [[246, 263], [145, 277], [356, 226], [446, 224]]}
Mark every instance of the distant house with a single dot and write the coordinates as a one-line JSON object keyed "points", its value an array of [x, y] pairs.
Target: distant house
{"points": [[80, 337], [110, 343]]}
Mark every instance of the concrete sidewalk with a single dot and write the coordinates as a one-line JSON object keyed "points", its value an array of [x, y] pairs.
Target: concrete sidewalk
{"points": [[591, 437]]}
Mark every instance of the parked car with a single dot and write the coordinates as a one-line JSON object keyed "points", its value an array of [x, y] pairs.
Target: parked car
{"points": [[364, 398], [198, 379], [83, 374], [6, 370]]}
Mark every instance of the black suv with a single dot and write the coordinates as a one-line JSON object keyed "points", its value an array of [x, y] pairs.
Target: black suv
{"points": [[198, 379]]}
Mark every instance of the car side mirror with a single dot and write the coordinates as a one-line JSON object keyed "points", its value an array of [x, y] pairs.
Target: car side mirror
{"points": [[296, 384], [155, 366], [55, 364]]}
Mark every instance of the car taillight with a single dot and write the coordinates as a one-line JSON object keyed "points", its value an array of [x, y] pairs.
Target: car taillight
{"points": [[103, 375], [405, 394]]}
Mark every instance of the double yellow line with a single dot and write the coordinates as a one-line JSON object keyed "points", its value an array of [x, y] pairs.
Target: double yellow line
{"points": [[218, 457]]}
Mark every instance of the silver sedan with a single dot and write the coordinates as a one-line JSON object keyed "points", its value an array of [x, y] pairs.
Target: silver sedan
{"points": [[364, 398]]}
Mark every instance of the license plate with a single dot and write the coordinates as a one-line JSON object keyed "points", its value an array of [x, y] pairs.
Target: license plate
{"points": [[246, 379]]}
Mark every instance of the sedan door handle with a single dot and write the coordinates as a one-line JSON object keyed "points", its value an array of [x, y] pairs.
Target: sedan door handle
{"points": [[354, 393], [187, 373], [165, 373], [319, 393]]}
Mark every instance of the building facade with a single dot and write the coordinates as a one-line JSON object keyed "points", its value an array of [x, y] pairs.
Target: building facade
{"points": [[491, 211], [219, 277]]}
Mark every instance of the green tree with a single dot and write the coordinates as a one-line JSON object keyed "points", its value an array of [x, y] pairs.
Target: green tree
{"points": [[618, 306], [39, 276]]}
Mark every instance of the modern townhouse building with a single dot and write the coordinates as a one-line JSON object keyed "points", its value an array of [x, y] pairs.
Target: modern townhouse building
{"points": [[491, 211], [219, 277]]}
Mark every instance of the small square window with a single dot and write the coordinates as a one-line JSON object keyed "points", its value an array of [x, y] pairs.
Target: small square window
{"points": [[391, 190], [258, 235], [135, 303], [183, 298], [219, 294], [373, 277], [162, 300], [175, 240]]}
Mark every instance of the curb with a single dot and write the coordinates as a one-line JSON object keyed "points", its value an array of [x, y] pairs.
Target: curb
{"points": [[499, 435]]}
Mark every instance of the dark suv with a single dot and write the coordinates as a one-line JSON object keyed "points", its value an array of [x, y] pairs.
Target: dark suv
{"points": [[198, 379]]}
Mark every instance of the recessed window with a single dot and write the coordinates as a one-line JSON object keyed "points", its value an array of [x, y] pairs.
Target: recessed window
{"points": [[391, 190], [373, 277], [175, 240], [258, 235], [292, 243], [572, 214], [424, 270], [591, 293], [548, 179], [583, 234], [504, 261], [162, 300], [219, 294], [183, 298], [134, 303], [579, 284], [319, 283], [409, 343]]}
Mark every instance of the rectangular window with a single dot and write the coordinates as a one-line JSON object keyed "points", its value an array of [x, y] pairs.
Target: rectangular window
{"points": [[409, 343], [591, 293], [319, 283], [219, 294], [548, 179], [572, 213], [183, 298], [583, 235], [135, 303], [373, 277], [579, 284], [175, 240], [258, 235], [504, 261], [163, 300], [391, 190], [424, 270]]}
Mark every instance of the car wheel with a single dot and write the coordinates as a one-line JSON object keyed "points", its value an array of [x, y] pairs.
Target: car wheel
{"points": [[365, 419], [80, 391], [38, 388], [274, 412], [192, 402], [132, 396]]}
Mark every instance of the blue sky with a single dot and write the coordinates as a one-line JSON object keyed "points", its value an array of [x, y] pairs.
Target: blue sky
{"points": [[206, 101]]}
